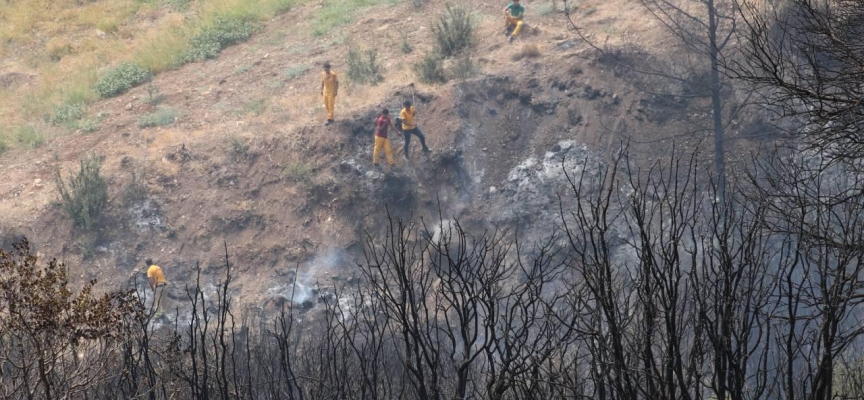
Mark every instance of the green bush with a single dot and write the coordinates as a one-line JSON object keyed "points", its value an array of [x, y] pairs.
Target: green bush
{"points": [[136, 190], [238, 149], [295, 71], [406, 45], [29, 136], [297, 173], [431, 69], [66, 114], [86, 194], [463, 69], [363, 67], [88, 125], [454, 31], [120, 79], [212, 39], [162, 117]]}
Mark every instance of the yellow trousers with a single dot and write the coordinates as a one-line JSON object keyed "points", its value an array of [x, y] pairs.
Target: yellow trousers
{"points": [[160, 299], [379, 144], [514, 21], [329, 104]]}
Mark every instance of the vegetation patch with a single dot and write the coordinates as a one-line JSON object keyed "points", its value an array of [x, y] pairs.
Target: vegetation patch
{"points": [[66, 114], [297, 173], [238, 149], [29, 136], [254, 107], [340, 12], [295, 71], [463, 68], [162, 117], [431, 69], [454, 31], [89, 125], [363, 67], [212, 39], [85, 196], [406, 46], [120, 79]]}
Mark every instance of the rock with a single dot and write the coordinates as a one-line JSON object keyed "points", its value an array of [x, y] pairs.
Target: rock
{"points": [[128, 107], [37, 183], [493, 189], [566, 45], [101, 34]]}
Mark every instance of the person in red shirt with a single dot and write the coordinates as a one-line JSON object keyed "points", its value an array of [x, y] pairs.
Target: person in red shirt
{"points": [[381, 127]]}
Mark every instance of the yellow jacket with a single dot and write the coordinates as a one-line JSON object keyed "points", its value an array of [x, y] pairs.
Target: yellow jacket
{"points": [[407, 116]]}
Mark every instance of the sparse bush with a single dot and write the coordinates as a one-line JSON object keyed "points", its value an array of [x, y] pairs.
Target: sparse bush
{"points": [[255, 107], [238, 149], [88, 125], [431, 69], [136, 190], [162, 117], [463, 69], [363, 67], [406, 45], [179, 5], [120, 79], [66, 114], [86, 194], [547, 8], [29, 136], [3, 146], [154, 94], [295, 71], [454, 31], [57, 48], [417, 3], [211, 40], [527, 51], [297, 173]]}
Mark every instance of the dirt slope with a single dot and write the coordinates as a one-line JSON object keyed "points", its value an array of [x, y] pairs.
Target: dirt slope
{"points": [[249, 162]]}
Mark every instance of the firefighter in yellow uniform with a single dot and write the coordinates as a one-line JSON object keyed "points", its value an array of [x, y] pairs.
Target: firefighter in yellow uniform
{"points": [[513, 14], [157, 284], [329, 89]]}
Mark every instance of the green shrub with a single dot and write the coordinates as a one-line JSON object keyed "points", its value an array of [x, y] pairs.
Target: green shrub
{"points": [[29, 136], [66, 114], [454, 31], [295, 71], [297, 173], [120, 79], [362, 66], [179, 5], [86, 194], [238, 149], [136, 190], [431, 69], [88, 125], [154, 94], [254, 107], [406, 45], [545, 9], [211, 40], [162, 117], [463, 69]]}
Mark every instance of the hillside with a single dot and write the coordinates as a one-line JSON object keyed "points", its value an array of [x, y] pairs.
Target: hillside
{"points": [[247, 160]]}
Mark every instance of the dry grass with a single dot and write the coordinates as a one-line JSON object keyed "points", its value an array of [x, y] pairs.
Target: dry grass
{"points": [[527, 51], [65, 44]]}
